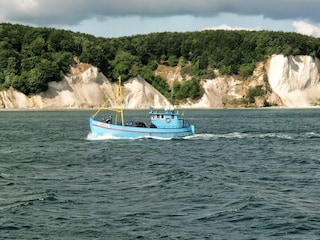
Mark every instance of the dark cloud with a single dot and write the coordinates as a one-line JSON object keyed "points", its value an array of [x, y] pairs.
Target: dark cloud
{"points": [[48, 12]]}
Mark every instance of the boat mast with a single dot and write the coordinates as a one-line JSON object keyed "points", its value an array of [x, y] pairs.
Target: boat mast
{"points": [[172, 100], [120, 100]]}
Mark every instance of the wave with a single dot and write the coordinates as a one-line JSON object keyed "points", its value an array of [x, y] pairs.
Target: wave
{"points": [[25, 200], [229, 208]]}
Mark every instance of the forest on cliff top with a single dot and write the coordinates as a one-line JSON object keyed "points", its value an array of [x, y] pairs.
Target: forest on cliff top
{"points": [[31, 57]]}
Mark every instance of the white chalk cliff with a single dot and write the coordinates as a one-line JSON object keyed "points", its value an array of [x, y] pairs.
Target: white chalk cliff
{"points": [[85, 87], [294, 80]]}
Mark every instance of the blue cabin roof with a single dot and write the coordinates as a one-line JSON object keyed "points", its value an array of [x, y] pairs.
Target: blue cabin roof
{"points": [[167, 119]]}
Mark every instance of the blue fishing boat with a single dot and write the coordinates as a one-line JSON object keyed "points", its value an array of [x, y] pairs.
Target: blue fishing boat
{"points": [[167, 123]]}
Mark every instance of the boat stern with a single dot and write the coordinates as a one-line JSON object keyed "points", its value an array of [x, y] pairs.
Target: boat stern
{"points": [[192, 129]]}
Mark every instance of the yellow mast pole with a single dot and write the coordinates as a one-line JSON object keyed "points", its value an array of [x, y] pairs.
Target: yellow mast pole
{"points": [[120, 101]]}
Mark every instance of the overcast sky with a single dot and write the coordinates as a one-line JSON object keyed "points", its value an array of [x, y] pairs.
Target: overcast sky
{"points": [[114, 18]]}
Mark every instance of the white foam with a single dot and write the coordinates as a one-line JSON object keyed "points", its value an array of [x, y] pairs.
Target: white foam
{"points": [[92, 137]]}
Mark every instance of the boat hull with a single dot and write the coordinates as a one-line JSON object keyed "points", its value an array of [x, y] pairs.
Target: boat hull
{"points": [[104, 129]]}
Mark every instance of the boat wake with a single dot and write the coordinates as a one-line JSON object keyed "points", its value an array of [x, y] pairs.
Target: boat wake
{"points": [[313, 135], [244, 135], [212, 136]]}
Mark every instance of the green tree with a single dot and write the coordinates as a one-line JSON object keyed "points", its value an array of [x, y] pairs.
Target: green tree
{"points": [[125, 65], [255, 92], [188, 89], [172, 61], [246, 69]]}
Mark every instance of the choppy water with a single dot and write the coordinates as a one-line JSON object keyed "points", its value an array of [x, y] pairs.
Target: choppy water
{"points": [[246, 174]]}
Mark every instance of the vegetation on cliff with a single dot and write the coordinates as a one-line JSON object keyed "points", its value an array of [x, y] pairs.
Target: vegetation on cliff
{"points": [[31, 57]]}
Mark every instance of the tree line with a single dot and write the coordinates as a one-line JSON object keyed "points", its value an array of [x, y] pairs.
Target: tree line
{"points": [[31, 57]]}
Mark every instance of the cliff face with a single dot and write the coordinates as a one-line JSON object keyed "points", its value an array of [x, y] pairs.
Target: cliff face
{"points": [[85, 87], [294, 82]]}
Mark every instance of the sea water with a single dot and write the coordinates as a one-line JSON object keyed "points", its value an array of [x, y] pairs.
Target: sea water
{"points": [[245, 174]]}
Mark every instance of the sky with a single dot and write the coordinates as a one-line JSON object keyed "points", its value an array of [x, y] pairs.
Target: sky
{"points": [[117, 18]]}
